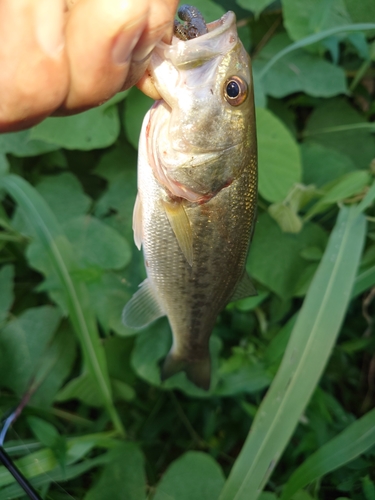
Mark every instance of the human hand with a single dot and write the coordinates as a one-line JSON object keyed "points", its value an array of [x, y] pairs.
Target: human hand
{"points": [[64, 56]]}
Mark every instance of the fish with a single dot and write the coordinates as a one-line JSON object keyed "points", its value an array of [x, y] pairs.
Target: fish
{"points": [[195, 210]]}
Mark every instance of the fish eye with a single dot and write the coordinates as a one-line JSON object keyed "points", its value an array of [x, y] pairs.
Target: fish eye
{"points": [[235, 90]]}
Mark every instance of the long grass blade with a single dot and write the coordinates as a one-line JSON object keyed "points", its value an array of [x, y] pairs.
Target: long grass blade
{"points": [[348, 445], [46, 227], [316, 37], [308, 350]]}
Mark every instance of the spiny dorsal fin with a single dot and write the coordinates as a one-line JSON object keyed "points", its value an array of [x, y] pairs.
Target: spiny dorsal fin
{"points": [[245, 288], [180, 224], [143, 308], [137, 222]]}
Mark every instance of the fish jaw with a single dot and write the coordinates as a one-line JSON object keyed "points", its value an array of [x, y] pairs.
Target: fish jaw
{"points": [[189, 75]]}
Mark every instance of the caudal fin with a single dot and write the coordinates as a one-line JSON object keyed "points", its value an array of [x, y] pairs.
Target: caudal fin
{"points": [[198, 372]]}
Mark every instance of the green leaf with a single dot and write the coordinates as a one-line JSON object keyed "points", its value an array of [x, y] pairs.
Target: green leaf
{"points": [[255, 6], [357, 144], [108, 295], [194, 475], [309, 347], [279, 157], [4, 164], [82, 388], [260, 99], [348, 185], [122, 477], [96, 128], [348, 445], [245, 379], [299, 71], [6, 291], [322, 165], [96, 244], [136, 106], [23, 342], [54, 366], [47, 230], [316, 37], [64, 195], [362, 11], [48, 435], [282, 278], [368, 488], [209, 9], [305, 17], [286, 218], [21, 144], [43, 468]]}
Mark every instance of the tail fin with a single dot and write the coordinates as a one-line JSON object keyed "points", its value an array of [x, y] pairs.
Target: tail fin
{"points": [[198, 372]]}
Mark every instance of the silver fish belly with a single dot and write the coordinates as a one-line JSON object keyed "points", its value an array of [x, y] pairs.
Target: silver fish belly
{"points": [[197, 192]]}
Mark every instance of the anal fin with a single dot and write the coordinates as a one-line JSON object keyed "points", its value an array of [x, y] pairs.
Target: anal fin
{"points": [[180, 224], [143, 308], [245, 288]]}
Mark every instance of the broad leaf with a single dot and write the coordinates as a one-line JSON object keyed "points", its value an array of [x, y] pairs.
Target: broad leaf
{"points": [[194, 475], [23, 344], [264, 253], [6, 291], [47, 230], [299, 71], [96, 128], [122, 477], [256, 6], [335, 126], [322, 165], [279, 157], [304, 17], [64, 195]]}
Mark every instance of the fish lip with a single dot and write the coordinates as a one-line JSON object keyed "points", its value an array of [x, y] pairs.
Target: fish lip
{"points": [[185, 52]]}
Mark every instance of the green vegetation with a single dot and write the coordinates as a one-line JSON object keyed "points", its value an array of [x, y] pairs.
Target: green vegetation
{"points": [[294, 365]]}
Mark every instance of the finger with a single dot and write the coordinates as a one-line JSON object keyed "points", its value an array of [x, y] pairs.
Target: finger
{"points": [[159, 26], [34, 71], [100, 37], [162, 10]]}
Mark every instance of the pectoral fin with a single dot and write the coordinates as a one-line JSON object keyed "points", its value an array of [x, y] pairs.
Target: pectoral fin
{"points": [[245, 288], [137, 222], [180, 224], [143, 308]]}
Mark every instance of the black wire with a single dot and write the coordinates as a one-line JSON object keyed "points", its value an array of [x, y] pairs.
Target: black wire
{"points": [[18, 476]]}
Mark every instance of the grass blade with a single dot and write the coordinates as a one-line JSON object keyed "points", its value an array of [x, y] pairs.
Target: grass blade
{"points": [[347, 446], [47, 229], [308, 350], [316, 37]]}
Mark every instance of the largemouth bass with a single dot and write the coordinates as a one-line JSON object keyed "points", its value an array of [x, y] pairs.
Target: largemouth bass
{"points": [[197, 192]]}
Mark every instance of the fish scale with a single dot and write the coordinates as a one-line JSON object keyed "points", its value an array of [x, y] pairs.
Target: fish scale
{"points": [[197, 193]]}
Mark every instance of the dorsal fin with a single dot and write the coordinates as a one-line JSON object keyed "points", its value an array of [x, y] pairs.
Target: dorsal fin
{"points": [[143, 308], [180, 224], [245, 288]]}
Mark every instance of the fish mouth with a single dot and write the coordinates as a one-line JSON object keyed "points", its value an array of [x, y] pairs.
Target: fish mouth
{"points": [[221, 37]]}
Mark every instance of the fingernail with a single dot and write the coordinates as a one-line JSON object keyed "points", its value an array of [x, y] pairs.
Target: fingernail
{"points": [[49, 19], [124, 44]]}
